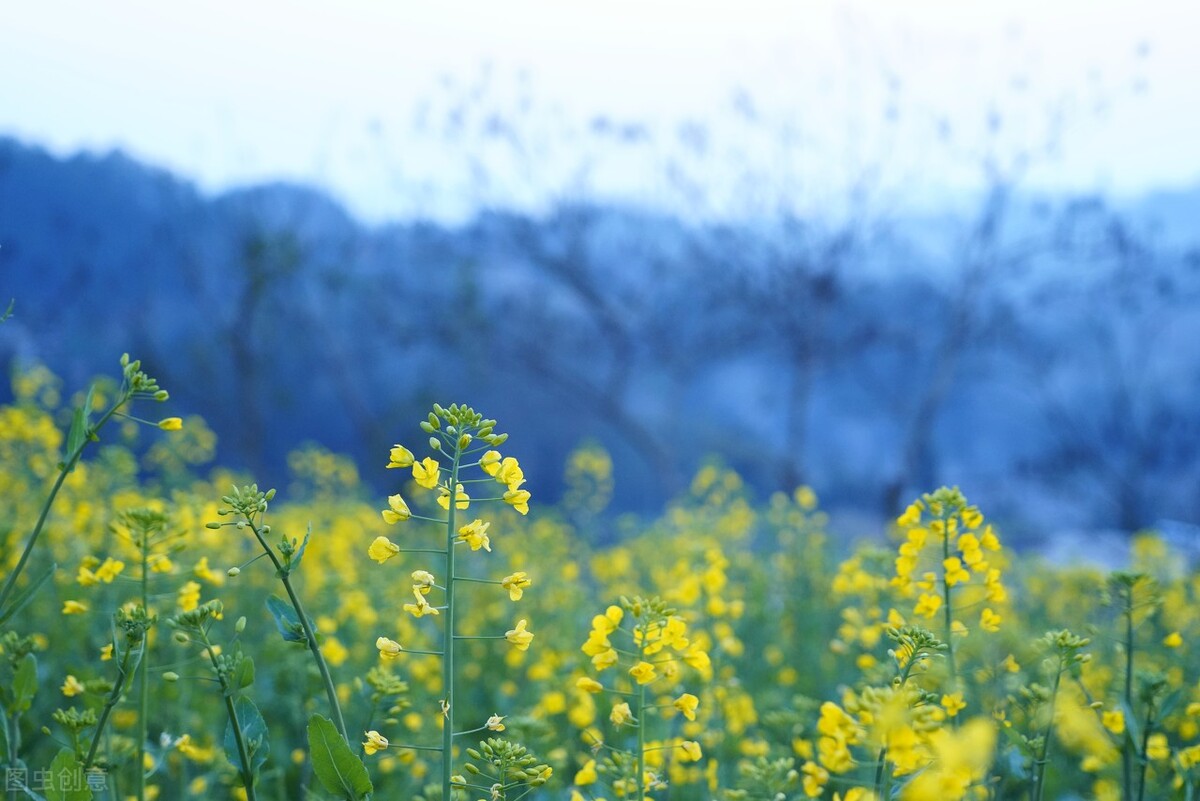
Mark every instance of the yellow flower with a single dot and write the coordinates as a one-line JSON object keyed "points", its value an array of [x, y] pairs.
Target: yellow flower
{"points": [[382, 549], [74, 608], [989, 620], [911, 516], [516, 585], [605, 659], [189, 596], [519, 636], [953, 704], [461, 499], [72, 687], [1157, 747], [423, 581], [589, 685], [587, 774], [171, 423], [421, 608], [510, 473], [426, 472], [495, 723], [815, 777], [109, 570], [1173, 640], [643, 672], [400, 457], [388, 649], [397, 510], [106, 653], [374, 742], [475, 534], [955, 572], [490, 462], [687, 704], [518, 499], [928, 605], [620, 714], [691, 751], [1113, 720]]}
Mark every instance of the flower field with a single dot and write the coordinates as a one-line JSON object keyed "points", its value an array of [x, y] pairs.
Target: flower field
{"points": [[170, 629]]}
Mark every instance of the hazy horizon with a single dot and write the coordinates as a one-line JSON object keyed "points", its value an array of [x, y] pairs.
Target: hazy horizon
{"points": [[438, 112]]}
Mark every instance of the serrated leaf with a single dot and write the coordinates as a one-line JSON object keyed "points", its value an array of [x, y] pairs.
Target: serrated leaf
{"points": [[340, 771], [26, 595], [286, 619], [25, 685], [67, 780], [254, 735]]}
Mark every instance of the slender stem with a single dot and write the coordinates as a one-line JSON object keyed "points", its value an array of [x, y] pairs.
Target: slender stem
{"points": [[1126, 744], [143, 676], [310, 635], [949, 614], [476, 580], [234, 723], [1142, 758], [448, 632], [641, 728], [1040, 768], [69, 465], [113, 698]]}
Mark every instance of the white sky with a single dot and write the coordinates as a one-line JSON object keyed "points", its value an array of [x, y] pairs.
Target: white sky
{"points": [[354, 95]]}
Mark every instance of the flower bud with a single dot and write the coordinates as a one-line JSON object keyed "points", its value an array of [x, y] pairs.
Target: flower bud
{"points": [[435, 443], [171, 676], [171, 423], [240, 626], [181, 638], [161, 395], [233, 572], [212, 525], [464, 441], [270, 495]]}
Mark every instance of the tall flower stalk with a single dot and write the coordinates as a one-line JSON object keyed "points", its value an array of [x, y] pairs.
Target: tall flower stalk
{"points": [[135, 384], [467, 439], [248, 505]]}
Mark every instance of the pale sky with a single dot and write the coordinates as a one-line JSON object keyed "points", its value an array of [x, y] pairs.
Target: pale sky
{"points": [[355, 96]]}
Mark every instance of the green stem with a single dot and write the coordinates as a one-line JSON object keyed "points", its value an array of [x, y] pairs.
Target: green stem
{"points": [[641, 728], [143, 677], [1126, 754], [110, 703], [310, 635], [1040, 769], [234, 723], [448, 633], [1144, 761], [949, 614], [72, 458]]}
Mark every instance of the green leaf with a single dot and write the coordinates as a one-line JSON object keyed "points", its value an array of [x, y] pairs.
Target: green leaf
{"points": [[26, 595], [294, 562], [286, 619], [25, 685], [254, 734], [341, 772], [67, 780], [243, 677], [78, 433]]}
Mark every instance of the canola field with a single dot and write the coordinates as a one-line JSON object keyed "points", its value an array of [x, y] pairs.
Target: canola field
{"points": [[172, 630]]}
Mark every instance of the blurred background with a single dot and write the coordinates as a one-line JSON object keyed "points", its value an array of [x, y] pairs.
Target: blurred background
{"points": [[865, 246]]}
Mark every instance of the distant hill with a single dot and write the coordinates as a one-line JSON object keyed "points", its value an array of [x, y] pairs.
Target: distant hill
{"points": [[1038, 352]]}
